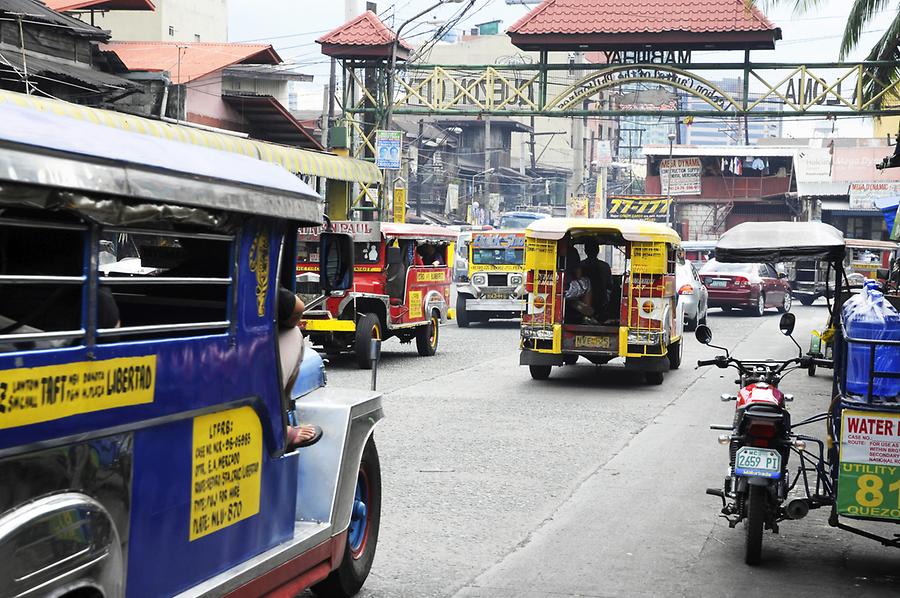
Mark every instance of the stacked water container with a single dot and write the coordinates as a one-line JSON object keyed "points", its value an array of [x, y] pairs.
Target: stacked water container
{"points": [[868, 315]]}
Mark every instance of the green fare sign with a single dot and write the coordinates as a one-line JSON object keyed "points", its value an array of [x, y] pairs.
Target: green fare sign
{"points": [[869, 478]]}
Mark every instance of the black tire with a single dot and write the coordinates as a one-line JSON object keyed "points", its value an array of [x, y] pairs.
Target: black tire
{"points": [[367, 328], [427, 336], [654, 378], [753, 524], [691, 324], [348, 578], [807, 300], [811, 370], [675, 351], [786, 304], [760, 309], [462, 317], [540, 372]]}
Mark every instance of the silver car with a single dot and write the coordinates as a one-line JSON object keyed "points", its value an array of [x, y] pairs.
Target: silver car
{"points": [[692, 295]]}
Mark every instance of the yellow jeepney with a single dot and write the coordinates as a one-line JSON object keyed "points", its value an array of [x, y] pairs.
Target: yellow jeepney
{"points": [[494, 289], [601, 289]]}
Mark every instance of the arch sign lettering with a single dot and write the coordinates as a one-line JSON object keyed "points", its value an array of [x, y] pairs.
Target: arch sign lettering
{"points": [[576, 89]]}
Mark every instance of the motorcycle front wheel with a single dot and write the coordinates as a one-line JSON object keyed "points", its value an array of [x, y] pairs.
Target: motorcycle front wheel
{"points": [[753, 524]]}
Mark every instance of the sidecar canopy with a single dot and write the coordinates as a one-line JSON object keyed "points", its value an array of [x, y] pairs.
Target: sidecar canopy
{"points": [[780, 242]]}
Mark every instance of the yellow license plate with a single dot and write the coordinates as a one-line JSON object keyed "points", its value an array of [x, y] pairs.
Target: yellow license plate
{"points": [[591, 342], [496, 296]]}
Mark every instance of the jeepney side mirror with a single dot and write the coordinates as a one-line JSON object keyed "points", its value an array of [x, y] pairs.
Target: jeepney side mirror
{"points": [[336, 262], [782, 275], [394, 255]]}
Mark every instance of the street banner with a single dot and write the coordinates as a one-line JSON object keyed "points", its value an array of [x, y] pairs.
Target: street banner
{"points": [[597, 205], [680, 176], [604, 153], [399, 204], [577, 206], [452, 203], [863, 195], [638, 207], [387, 149], [869, 478]]}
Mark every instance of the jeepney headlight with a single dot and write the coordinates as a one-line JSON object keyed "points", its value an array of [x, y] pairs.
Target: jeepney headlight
{"points": [[479, 280], [643, 337], [515, 279]]}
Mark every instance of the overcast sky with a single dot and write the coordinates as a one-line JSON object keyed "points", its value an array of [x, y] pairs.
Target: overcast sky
{"points": [[292, 26]]}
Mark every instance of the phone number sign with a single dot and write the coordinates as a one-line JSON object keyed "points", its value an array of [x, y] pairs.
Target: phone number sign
{"points": [[869, 477]]}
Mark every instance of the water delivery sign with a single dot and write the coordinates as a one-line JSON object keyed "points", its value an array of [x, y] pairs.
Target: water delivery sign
{"points": [[680, 176], [387, 149]]}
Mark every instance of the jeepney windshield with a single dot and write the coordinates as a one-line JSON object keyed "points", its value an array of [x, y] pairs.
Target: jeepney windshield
{"points": [[506, 256]]}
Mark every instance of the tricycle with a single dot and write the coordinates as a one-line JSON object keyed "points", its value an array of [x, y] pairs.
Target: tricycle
{"points": [[855, 471]]}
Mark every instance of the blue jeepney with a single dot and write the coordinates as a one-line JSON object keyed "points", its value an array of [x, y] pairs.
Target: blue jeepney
{"points": [[143, 401]]}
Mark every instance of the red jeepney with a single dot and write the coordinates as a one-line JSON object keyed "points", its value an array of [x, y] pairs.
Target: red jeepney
{"points": [[401, 288]]}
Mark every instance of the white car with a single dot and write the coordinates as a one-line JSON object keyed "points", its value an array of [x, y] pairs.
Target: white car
{"points": [[692, 295]]}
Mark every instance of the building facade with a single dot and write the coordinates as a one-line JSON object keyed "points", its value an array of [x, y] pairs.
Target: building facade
{"points": [[172, 21]]}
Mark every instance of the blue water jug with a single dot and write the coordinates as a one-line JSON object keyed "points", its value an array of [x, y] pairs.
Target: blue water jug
{"points": [[869, 316]]}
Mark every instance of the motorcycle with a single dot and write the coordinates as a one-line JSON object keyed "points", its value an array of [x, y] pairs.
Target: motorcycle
{"points": [[760, 441]]}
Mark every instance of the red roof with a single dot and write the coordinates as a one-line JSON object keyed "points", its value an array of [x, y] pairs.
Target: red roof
{"points": [[67, 5], [365, 30], [196, 60], [641, 16]]}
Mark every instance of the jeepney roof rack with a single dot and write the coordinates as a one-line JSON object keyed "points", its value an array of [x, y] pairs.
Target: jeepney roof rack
{"points": [[39, 148]]}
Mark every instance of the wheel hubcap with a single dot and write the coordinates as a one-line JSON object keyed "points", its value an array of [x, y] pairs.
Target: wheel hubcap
{"points": [[434, 332], [358, 531]]}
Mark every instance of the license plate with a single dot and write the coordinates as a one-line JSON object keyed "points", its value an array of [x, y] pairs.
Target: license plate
{"points": [[757, 462], [591, 342], [718, 284], [495, 296]]}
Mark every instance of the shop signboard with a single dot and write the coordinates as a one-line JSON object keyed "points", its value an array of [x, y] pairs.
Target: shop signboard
{"points": [[680, 176]]}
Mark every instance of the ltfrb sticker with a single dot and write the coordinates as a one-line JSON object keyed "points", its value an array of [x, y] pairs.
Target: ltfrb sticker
{"points": [[226, 470]]}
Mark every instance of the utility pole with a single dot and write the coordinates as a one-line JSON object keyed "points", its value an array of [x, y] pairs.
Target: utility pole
{"points": [[487, 163], [577, 137], [419, 167]]}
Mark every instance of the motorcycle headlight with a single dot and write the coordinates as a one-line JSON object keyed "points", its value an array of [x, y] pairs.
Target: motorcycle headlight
{"points": [[479, 280], [515, 279]]}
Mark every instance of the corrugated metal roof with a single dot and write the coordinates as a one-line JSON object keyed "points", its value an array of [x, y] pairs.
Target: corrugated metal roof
{"points": [[196, 59], [39, 12], [740, 151], [647, 16], [63, 72]]}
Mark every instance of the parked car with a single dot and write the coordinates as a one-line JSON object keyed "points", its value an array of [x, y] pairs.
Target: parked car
{"points": [[753, 287], [692, 295]]}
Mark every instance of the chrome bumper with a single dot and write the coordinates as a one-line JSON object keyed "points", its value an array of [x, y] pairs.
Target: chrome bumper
{"points": [[510, 305]]}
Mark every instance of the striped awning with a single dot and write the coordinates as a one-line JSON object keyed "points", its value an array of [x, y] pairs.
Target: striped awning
{"points": [[295, 160]]}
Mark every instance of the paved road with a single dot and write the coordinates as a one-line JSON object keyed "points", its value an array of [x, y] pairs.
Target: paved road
{"points": [[589, 484]]}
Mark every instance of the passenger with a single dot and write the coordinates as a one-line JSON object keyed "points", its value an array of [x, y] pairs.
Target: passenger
{"points": [[290, 351], [578, 296], [430, 256], [600, 275]]}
